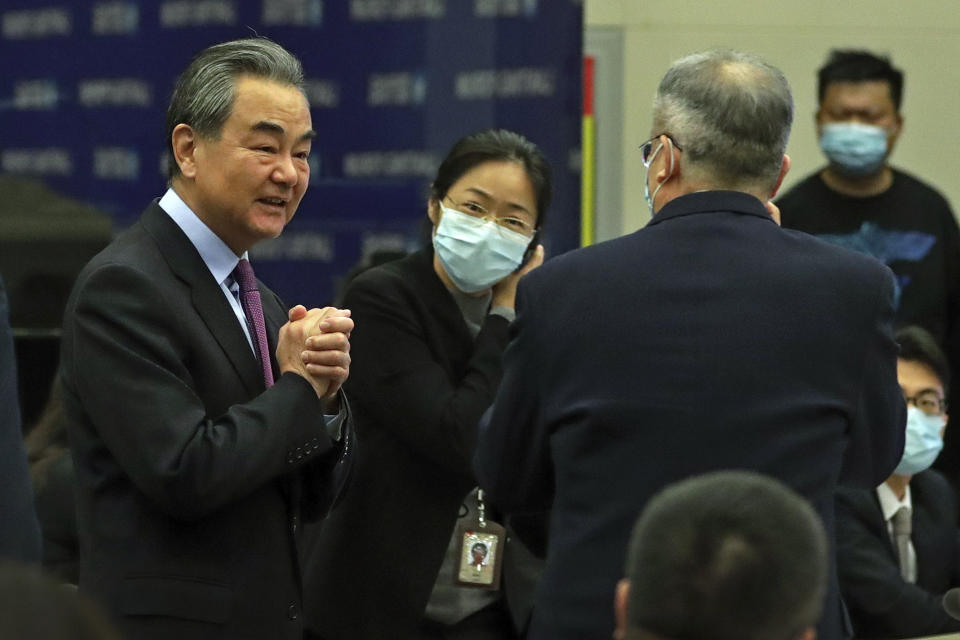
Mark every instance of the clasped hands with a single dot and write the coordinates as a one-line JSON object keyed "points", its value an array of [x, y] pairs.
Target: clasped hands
{"points": [[315, 344]]}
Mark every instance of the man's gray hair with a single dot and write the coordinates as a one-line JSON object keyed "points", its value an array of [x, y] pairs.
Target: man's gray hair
{"points": [[205, 92], [731, 114]]}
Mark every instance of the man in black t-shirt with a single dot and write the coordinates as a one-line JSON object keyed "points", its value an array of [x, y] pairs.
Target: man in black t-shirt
{"points": [[859, 201]]}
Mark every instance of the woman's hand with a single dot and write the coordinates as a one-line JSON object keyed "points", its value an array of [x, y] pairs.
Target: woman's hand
{"points": [[505, 291]]}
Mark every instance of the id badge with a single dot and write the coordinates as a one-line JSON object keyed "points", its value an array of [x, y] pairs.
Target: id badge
{"points": [[479, 551]]}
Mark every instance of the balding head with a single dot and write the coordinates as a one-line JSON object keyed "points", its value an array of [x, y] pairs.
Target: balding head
{"points": [[731, 114]]}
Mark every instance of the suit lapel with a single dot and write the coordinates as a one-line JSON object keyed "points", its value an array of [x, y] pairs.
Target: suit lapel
{"points": [[443, 308], [274, 317], [208, 298], [932, 539]]}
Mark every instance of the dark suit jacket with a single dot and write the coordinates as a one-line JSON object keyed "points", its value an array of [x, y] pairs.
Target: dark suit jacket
{"points": [[19, 529], [881, 603], [191, 477], [710, 339], [419, 383], [56, 505]]}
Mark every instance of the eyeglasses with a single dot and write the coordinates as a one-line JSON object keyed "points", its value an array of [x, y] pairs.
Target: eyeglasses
{"points": [[478, 211], [647, 150], [930, 402]]}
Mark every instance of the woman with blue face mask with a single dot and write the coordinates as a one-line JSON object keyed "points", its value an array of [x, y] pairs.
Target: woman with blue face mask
{"points": [[426, 353]]}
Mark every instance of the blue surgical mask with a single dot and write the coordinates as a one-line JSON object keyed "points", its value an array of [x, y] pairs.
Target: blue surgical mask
{"points": [[923, 442], [476, 253], [854, 149]]}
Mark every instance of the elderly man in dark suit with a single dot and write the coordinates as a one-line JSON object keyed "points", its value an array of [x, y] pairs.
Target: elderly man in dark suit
{"points": [[898, 546], [709, 339], [195, 404], [19, 530]]}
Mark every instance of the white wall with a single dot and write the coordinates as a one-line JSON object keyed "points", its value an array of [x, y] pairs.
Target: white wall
{"points": [[921, 36]]}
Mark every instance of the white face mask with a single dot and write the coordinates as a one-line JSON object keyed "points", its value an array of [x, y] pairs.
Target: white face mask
{"points": [[476, 253]]}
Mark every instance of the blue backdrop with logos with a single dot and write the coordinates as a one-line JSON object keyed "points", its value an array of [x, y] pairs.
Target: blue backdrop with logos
{"points": [[392, 84]]}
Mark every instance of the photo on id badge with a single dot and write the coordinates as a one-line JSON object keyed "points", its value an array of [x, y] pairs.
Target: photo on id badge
{"points": [[478, 552]]}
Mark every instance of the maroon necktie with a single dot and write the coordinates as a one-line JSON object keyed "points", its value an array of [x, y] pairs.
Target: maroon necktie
{"points": [[250, 301]]}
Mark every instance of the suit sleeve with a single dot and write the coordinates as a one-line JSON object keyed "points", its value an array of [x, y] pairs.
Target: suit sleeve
{"points": [[326, 478], [512, 462], [127, 360], [398, 381], [878, 429], [951, 249], [870, 578], [19, 529]]}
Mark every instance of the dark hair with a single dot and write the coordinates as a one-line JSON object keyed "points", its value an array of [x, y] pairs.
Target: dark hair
{"points": [[496, 145], [32, 605], [727, 555], [853, 65], [917, 345], [205, 92]]}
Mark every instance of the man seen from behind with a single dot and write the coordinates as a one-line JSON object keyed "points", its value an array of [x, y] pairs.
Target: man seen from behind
{"points": [[710, 339]]}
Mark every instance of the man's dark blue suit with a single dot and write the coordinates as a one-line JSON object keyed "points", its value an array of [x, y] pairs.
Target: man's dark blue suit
{"points": [[710, 339]]}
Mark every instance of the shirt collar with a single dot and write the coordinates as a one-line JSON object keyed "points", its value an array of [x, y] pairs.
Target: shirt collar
{"points": [[889, 504], [219, 258], [711, 202]]}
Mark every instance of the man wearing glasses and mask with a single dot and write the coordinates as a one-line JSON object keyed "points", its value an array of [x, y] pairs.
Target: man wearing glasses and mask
{"points": [[898, 547], [710, 339]]}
